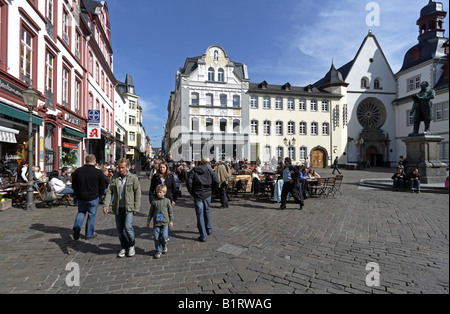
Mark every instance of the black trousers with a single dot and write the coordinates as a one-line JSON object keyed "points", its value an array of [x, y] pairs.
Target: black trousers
{"points": [[335, 167], [296, 191], [223, 194]]}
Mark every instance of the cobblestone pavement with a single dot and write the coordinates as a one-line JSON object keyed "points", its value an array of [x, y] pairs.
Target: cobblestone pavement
{"points": [[254, 249]]}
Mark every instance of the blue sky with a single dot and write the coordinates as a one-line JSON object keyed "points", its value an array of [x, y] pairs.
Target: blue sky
{"points": [[282, 41]]}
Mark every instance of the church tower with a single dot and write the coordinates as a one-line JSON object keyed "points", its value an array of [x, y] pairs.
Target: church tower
{"points": [[431, 21]]}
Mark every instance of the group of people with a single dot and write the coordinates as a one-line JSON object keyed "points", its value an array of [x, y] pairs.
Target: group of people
{"points": [[403, 180]]}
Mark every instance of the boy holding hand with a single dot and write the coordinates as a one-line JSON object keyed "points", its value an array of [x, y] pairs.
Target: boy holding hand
{"points": [[162, 214]]}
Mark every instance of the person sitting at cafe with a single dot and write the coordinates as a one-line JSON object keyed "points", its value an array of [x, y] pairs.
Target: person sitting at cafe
{"points": [[313, 174], [59, 186], [64, 176], [22, 172], [38, 175]]}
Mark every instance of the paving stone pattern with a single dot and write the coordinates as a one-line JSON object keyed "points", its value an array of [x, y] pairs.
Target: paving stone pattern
{"points": [[254, 248]]}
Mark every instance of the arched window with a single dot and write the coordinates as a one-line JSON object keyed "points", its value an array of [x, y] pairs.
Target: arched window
{"points": [[221, 75], [364, 82], [377, 84], [211, 74]]}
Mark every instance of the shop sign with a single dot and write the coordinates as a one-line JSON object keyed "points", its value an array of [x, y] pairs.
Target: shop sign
{"points": [[73, 120], [94, 132], [11, 157], [8, 87], [70, 146], [94, 117]]}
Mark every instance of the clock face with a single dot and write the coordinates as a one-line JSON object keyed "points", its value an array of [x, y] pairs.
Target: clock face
{"points": [[371, 114]]}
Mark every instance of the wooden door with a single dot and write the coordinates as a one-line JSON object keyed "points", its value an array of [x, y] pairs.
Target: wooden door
{"points": [[318, 158]]}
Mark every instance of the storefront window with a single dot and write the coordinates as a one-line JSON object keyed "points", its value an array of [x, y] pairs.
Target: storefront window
{"points": [[70, 155]]}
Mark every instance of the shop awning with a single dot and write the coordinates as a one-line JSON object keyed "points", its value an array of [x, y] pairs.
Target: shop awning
{"points": [[19, 114], [74, 132], [8, 135]]}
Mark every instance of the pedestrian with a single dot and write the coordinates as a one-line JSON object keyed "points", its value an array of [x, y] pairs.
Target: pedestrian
{"points": [[201, 183], [125, 190], [336, 165], [223, 172], [162, 215], [163, 175], [88, 184], [414, 179], [290, 184]]}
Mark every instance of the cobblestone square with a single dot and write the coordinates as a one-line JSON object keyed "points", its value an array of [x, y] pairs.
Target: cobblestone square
{"points": [[253, 249]]}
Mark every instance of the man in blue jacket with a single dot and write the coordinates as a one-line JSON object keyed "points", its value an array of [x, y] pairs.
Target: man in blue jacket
{"points": [[201, 182]]}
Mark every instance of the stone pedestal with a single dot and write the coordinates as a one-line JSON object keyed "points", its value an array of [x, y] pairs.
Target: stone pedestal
{"points": [[423, 153]]}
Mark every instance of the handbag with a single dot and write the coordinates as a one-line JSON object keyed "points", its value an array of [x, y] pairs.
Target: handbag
{"points": [[49, 194]]}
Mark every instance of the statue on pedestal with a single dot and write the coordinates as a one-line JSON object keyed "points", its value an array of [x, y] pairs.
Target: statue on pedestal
{"points": [[422, 108]]}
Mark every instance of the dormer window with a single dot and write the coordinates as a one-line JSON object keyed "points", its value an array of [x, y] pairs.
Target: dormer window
{"points": [[287, 87], [263, 85]]}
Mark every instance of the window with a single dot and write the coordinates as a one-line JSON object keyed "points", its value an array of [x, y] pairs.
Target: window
{"points": [[279, 128], [77, 95], [223, 125], [65, 26], [26, 56], [221, 75], [211, 74], [302, 105], [377, 84], [325, 129], [91, 63], [49, 72], [50, 10], [132, 136], [236, 126], [291, 128], [291, 152], [290, 104], [194, 99], [266, 102], [364, 82], [236, 101], [254, 102], [132, 105], [302, 129], [313, 105], [267, 128], [97, 73], [303, 154], [209, 125], [209, 100], [223, 100], [254, 127], [65, 87], [91, 101], [279, 103], [325, 107], [280, 152], [195, 125], [413, 83], [314, 127], [441, 112], [77, 45]]}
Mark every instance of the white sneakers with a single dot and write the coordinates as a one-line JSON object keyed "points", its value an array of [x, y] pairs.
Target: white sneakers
{"points": [[122, 253]]}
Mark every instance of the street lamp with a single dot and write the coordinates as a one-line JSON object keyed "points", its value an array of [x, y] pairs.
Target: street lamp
{"points": [[30, 98], [289, 142]]}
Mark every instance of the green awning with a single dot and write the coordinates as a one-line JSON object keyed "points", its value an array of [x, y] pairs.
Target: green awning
{"points": [[19, 114], [74, 132]]}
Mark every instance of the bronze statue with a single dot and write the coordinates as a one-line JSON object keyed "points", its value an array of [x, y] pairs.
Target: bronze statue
{"points": [[422, 108]]}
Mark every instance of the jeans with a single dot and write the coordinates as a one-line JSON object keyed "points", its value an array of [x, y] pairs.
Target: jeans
{"points": [[203, 217], [124, 225], [67, 190], [161, 234], [89, 208], [399, 183], [415, 184]]}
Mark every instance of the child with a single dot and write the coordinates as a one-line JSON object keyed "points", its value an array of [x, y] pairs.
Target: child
{"points": [[162, 215]]}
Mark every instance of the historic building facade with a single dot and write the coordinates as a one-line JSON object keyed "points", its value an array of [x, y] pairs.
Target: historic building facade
{"points": [[62, 49], [427, 61], [208, 113]]}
